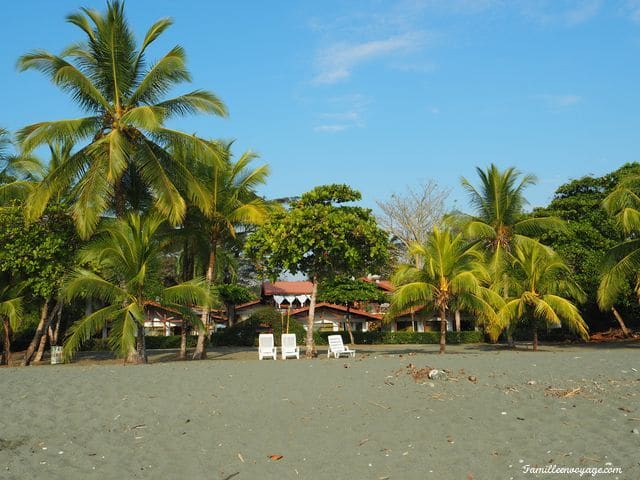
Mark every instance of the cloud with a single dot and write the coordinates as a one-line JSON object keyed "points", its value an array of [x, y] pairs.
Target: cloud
{"points": [[331, 128], [632, 7], [336, 62], [560, 101], [561, 12], [346, 112]]}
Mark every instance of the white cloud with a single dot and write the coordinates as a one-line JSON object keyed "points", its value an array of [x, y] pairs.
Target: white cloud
{"points": [[561, 12], [331, 128], [633, 9], [560, 101], [336, 62]]}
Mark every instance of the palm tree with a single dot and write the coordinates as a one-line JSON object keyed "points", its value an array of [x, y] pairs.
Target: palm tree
{"points": [[125, 141], [540, 280], [499, 224], [451, 272], [233, 201], [18, 173], [10, 314], [126, 254], [622, 263]]}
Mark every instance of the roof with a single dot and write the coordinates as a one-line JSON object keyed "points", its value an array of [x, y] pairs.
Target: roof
{"points": [[385, 285], [341, 308], [247, 305], [286, 288]]}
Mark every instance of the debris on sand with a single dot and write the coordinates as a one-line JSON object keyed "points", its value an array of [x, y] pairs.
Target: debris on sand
{"points": [[561, 392]]}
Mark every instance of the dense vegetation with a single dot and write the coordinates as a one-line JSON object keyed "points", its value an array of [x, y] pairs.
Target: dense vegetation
{"points": [[128, 214]]}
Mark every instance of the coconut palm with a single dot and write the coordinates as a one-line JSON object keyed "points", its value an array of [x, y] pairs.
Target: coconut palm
{"points": [[540, 282], [622, 263], [499, 224], [10, 314], [231, 187], [452, 272], [18, 173], [124, 143], [126, 255]]}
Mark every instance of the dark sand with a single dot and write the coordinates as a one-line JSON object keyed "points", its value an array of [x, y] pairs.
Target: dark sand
{"points": [[362, 418]]}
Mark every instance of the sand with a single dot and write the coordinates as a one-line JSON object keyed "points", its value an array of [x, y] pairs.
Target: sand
{"points": [[362, 418]]}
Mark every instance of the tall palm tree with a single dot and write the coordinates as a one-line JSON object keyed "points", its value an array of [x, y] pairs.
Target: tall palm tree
{"points": [[622, 263], [125, 143], [233, 201], [540, 281], [451, 272], [10, 314], [126, 254], [499, 223], [18, 173]]}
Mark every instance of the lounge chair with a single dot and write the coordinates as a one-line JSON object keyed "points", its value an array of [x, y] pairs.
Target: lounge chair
{"points": [[337, 348], [289, 346], [266, 347]]}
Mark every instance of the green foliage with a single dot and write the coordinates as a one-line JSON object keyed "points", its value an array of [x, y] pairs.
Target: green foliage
{"points": [[320, 239], [153, 342], [394, 338], [265, 319], [541, 292], [124, 158], [38, 253], [126, 255], [590, 233], [234, 294], [452, 273], [344, 290]]}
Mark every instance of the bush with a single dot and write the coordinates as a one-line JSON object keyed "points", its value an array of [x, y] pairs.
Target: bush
{"points": [[263, 320], [381, 337], [151, 342]]}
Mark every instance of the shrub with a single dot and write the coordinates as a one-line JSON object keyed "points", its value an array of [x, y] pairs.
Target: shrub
{"points": [[381, 337], [263, 320]]}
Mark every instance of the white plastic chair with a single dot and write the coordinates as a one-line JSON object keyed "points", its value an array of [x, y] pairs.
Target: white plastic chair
{"points": [[289, 346], [337, 348], [266, 347]]}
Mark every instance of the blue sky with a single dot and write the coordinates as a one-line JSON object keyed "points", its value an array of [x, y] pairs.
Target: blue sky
{"points": [[379, 94]]}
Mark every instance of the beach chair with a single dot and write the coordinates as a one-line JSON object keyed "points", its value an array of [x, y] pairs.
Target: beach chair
{"points": [[266, 347], [337, 348], [289, 346]]}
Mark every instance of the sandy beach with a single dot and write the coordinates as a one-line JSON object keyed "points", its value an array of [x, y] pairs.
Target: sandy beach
{"points": [[362, 418]]}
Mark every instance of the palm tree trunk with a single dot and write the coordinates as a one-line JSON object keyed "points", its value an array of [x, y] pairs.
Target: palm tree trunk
{"points": [[535, 339], [505, 296], [6, 344], [443, 330], [624, 328], [310, 349], [231, 314], [349, 326], [458, 318], [201, 352], [47, 330], [40, 330], [183, 341]]}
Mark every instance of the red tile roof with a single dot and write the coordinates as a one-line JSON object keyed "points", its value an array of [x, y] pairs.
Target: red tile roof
{"points": [[286, 288], [247, 305]]}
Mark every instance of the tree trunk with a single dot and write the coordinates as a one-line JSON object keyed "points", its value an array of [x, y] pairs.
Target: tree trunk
{"points": [[201, 352], [458, 319], [505, 296], [443, 330], [535, 339], [54, 332], [624, 328], [57, 309], [6, 344], [43, 343], [310, 349], [231, 314], [349, 326], [183, 341], [41, 330], [139, 354]]}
